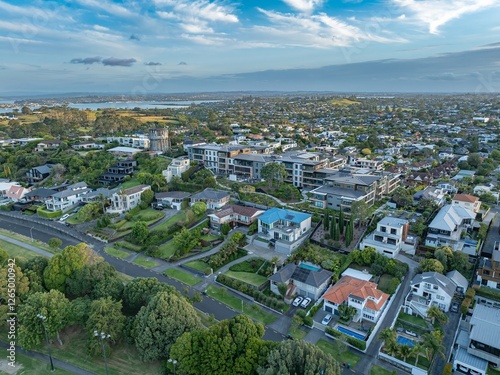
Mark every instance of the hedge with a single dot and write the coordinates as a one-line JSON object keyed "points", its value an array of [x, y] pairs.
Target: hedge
{"points": [[470, 293], [48, 214], [465, 305], [360, 344], [448, 369]]}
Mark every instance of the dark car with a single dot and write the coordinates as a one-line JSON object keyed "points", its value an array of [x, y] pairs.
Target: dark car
{"points": [[455, 306]]}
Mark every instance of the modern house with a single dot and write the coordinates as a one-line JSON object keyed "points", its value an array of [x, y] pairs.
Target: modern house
{"points": [[233, 215], [467, 201], [214, 199], [48, 145], [436, 195], [304, 279], [139, 141], [363, 295], [429, 289], [172, 199], [477, 344], [447, 226], [88, 146], [488, 270], [284, 229], [176, 168], [117, 173], [37, 174], [123, 201], [70, 197], [100, 195], [128, 152], [389, 237]]}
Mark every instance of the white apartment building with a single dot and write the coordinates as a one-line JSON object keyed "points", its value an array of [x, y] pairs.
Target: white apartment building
{"points": [[176, 168]]}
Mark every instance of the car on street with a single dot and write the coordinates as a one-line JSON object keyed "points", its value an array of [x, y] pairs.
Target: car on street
{"points": [[64, 217], [455, 306], [305, 302], [327, 319], [297, 301]]}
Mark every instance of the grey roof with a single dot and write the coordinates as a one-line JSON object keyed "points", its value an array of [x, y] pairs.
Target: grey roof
{"points": [[43, 168], [451, 216], [304, 275], [211, 194], [435, 278], [463, 338], [42, 192], [348, 193], [393, 221], [485, 325], [358, 179], [458, 279], [471, 360], [106, 193], [172, 194], [254, 157]]}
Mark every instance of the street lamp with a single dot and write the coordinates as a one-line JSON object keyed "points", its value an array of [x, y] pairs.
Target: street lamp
{"points": [[103, 337], [173, 362], [31, 233], [43, 318]]}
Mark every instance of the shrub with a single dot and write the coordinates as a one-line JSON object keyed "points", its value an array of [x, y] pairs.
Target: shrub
{"points": [[448, 369], [308, 321], [356, 343], [48, 214], [464, 308], [470, 293], [333, 332]]}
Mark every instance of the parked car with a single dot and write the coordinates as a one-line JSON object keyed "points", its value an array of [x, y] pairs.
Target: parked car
{"points": [[327, 319], [64, 217], [297, 301], [305, 302], [455, 306]]}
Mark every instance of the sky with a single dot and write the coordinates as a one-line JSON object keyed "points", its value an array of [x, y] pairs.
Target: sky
{"points": [[163, 46]]}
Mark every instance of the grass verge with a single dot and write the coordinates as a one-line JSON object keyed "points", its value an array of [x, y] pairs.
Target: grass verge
{"points": [[377, 370], [20, 237], [146, 263], [199, 265], [297, 333], [17, 251], [116, 252], [182, 276], [29, 366], [340, 355]]}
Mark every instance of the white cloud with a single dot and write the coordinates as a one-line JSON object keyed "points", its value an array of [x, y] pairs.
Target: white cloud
{"points": [[100, 28], [305, 6], [199, 28], [206, 40], [107, 6], [200, 9], [436, 13]]}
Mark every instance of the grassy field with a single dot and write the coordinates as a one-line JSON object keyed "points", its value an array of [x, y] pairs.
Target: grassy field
{"points": [[250, 278], [129, 246], [116, 252], [209, 237], [181, 216], [146, 263], [166, 250], [130, 183], [377, 370], [412, 319], [297, 333], [17, 251], [332, 349], [253, 311], [25, 239], [29, 366], [182, 276], [199, 265]]}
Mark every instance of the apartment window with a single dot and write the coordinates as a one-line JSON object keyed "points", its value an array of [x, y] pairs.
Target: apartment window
{"points": [[440, 297], [393, 231], [486, 272], [383, 229]]}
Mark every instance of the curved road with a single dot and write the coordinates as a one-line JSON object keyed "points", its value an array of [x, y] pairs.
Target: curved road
{"points": [[40, 230]]}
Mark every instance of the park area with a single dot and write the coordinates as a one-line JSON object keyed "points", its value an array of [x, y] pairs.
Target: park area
{"points": [[251, 271]]}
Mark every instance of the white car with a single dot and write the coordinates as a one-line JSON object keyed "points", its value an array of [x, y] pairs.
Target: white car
{"points": [[326, 320], [305, 302], [297, 301], [64, 217]]}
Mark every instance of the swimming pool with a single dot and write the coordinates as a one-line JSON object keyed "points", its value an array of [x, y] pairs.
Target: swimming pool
{"points": [[406, 341], [351, 333], [309, 267]]}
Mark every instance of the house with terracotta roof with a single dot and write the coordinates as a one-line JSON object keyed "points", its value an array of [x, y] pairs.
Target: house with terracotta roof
{"points": [[467, 201], [363, 295], [16, 193], [234, 214]]}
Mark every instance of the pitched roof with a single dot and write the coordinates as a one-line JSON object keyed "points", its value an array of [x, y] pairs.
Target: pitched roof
{"points": [[42, 193], [450, 216], [465, 198], [349, 286], [229, 209], [435, 278], [485, 325], [172, 194], [301, 274], [136, 189], [211, 194], [16, 192], [275, 214]]}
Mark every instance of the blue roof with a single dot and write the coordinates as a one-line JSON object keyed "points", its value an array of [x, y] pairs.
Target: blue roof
{"points": [[275, 214]]}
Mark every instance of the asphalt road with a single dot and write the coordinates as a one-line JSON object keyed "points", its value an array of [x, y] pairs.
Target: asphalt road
{"points": [[43, 233]]}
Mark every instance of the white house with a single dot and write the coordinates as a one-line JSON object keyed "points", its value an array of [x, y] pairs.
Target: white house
{"points": [[173, 199], [389, 236], [67, 198], [467, 201], [128, 199], [176, 168], [429, 289], [447, 226], [285, 229], [16, 193], [363, 295]]}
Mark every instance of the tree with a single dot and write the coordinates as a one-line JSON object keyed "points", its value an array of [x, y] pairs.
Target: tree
{"points": [[140, 232], [106, 316], [13, 287], [54, 306], [199, 208], [445, 255], [482, 232], [97, 280], [147, 197], [55, 243], [282, 288], [388, 335], [139, 291], [431, 265], [326, 221], [417, 351], [435, 313], [165, 318], [33, 269], [432, 344], [298, 357], [360, 211], [225, 228], [474, 160], [274, 173], [185, 240], [89, 212], [366, 151], [64, 264], [349, 233], [230, 347], [346, 312], [402, 197], [341, 222]]}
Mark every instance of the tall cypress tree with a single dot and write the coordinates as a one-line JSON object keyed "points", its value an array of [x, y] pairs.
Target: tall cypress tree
{"points": [[326, 220], [341, 222], [333, 225]]}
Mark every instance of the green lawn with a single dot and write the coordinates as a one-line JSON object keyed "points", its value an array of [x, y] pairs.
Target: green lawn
{"points": [[130, 183], [146, 263], [180, 216], [182, 276], [253, 311], [116, 252], [25, 239], [332, 349], [412, 319], [166, 250], [385, 282], [129, 246], [74, 219], [209, 237], [250, 278], [199, 265], [297, 333], [377, 370], [17, 251], [29, 366], [492, 371]]}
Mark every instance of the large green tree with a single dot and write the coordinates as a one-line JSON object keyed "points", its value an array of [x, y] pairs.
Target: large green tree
{"points": [[299, 358], [166, 317], [230, 347], [139, 291], [97, 280], [64, 264], [54, 306], [431, 265], [274, 173]]}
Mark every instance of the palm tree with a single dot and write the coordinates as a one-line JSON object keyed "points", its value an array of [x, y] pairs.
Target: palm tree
{"points": [[432, 344], [417, 350], [434, 313], [387, 335], [404, 351]]}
